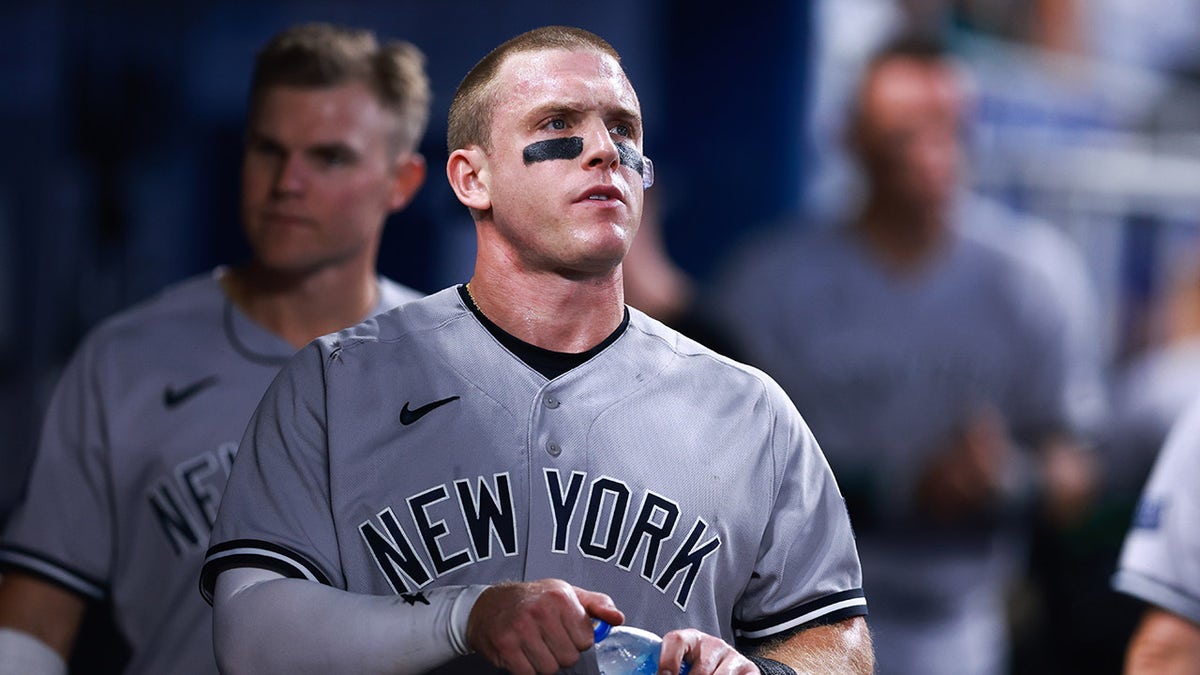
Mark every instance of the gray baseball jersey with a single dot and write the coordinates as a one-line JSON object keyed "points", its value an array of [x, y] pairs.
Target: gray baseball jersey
{"points": [[135, 450], [415, 450], [885, 369], [1160, 562]]}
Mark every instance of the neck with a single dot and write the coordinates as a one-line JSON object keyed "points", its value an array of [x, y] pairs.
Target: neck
{"points": [[302, 307], [550, 311], [905, 239]]}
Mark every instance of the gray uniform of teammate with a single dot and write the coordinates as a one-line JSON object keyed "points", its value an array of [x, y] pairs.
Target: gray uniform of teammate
{"points": [[884, 370], [684, 485], [1160, 562], [136, 447]]}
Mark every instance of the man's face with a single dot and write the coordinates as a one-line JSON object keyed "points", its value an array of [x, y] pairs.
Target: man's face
{"points": [[561, 195], [909, 131], [318, 177]]}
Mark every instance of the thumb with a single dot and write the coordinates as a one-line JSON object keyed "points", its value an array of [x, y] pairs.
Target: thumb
{"points": [[599, 606]]}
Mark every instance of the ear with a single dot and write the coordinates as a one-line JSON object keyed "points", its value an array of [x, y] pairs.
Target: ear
{"points": [[410, 176], [467, 170]]}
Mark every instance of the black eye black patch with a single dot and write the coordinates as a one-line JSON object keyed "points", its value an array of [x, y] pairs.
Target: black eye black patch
{"points": [[554, 148], [630, 157]]}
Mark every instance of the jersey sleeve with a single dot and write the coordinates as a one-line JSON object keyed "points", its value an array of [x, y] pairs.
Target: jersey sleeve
{"points": [[808, 571], [63, 530], [1160, 561], [275, 513]]}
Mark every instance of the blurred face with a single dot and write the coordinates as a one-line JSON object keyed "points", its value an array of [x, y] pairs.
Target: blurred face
{"points": [[908, 135], [562, 177], [319, 177]]}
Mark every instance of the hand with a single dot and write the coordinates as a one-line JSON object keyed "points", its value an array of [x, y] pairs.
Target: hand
{"points": [[536, 626], [968, 476], [705, 654]]}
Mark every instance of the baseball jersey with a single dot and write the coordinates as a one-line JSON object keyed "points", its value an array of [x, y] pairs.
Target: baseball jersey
{"points": [[885, 370], [1160, 562], [415, 450], [135, 450]]}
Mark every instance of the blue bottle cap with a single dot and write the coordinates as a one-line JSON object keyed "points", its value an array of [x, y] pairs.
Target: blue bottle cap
{"points": [[600, 629]]}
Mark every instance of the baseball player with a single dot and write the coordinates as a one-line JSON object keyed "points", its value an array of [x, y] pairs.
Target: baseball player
{"points": [[461, 484], [1160, 562], [931, 366], [142, 429]]}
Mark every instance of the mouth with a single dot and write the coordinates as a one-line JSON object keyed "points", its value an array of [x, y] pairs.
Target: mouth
{"points": [[283, 219], [602, 193]]}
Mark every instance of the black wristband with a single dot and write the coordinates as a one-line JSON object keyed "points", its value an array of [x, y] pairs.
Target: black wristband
{"points": [[771, 666]]}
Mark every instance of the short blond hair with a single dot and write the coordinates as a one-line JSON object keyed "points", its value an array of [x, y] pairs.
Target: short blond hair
{"points": [[475, 101], [318, 55]]}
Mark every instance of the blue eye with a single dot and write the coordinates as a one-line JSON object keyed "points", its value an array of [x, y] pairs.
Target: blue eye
{"points": [[558, 124], [621, 130]]}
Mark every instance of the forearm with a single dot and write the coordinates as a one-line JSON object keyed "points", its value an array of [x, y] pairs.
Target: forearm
{"points": [[1164, 644], [43, 611], [840, 648], [264, 623]]}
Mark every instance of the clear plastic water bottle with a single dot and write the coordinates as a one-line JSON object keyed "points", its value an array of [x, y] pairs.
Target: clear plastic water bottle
{"points": [[624, 650]]}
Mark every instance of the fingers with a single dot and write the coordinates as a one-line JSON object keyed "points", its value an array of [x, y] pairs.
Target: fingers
{"points": [[598, 606], [536, 627], [705, 655]]}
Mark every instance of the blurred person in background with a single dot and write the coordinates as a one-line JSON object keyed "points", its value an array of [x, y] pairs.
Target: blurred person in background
{"points": [[139, 436], [934, 363]]}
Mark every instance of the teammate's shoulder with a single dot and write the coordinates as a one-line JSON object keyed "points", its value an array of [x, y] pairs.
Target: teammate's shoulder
{"points": [[198, 297], [393, 294]]}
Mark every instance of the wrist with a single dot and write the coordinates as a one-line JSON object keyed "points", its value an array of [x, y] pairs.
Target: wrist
{"points": [[771, 666], [460, 614]]}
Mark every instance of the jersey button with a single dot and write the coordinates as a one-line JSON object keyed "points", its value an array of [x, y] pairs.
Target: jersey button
{"points": [[553, 449], [550, 402]]}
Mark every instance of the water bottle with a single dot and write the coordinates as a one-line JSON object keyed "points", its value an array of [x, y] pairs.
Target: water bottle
{"points": [[624, 650]]}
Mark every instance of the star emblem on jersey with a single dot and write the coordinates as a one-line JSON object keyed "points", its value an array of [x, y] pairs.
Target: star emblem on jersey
{"points": [[407, 416], [173, 397], [414, 598]]}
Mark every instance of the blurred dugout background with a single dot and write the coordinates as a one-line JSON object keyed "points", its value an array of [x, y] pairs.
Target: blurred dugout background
{"points": [[124, 118]]}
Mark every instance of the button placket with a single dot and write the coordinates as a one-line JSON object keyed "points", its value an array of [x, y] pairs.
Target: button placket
{"points": [[550, 402]]}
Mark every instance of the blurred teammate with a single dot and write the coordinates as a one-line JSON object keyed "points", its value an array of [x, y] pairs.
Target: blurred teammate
{"points": [[143, 426], [461, 484], [931, 365]]}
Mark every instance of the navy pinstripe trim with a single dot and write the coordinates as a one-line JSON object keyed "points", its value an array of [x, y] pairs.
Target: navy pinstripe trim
{"points": [[44, 567], [829, 609], [255, 553]]}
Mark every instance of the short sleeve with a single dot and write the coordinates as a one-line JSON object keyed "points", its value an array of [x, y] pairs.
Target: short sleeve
{"points": [[63, 530], [808, 570], [276, 512], [1160, 561]]}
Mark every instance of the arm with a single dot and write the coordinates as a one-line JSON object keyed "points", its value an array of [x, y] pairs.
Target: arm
{"points": [[839, 648], [1163, 644], [842, 647], [264, 623], [39, 609]]}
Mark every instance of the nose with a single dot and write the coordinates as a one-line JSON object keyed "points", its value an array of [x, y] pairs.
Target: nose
{"points": [[599, 149], [289, 175]]}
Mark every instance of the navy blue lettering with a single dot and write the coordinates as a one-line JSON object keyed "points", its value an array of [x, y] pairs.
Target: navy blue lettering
{"points": [[562, 506], [607, 548], [393, 553], [687, 562], [650, 530], [205, 496], [171, 517], [489, 514], [431, 531]]}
